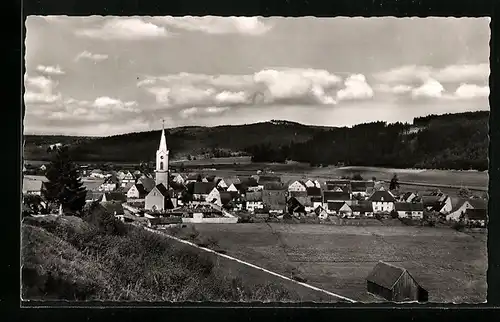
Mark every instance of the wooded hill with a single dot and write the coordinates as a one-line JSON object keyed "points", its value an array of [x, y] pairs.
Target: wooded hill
{"points": [[450, 141]]}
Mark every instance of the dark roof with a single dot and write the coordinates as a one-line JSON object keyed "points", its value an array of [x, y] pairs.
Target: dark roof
{"points": [[407, 195], [112, 179], [338, 182], [254, 196], [314, 191], [141, 189], [163, 190], [263, 179], [148, 183], [319, 209], [203, 188], [385, 275], [335, 205], [359, 185], [409, 206], [381, 195], [476, 214], [226, 197], [478, 203], [248, 181], [275, 199], [112, 206], [116, 196], [305, 201], [273, 186], [333, 187], [332, 195], [297, 193], [295, 205], [362, 207]]}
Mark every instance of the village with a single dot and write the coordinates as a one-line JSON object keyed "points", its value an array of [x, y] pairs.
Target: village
{"points": [[169, 197]]}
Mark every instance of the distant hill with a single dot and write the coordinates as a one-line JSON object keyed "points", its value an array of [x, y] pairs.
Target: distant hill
{"points": [[453, 141]]}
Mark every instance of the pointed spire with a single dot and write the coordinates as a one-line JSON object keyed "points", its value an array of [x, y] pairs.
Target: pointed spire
{"points": [[163, 140]]}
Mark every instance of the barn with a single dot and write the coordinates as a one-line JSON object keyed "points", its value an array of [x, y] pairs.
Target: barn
{"points": [[394, 284]]}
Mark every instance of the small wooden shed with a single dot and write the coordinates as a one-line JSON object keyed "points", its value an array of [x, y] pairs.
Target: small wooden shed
{"points": [[394, 284]]}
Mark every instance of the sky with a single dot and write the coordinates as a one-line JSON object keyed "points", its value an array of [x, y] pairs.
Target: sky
{"points": [[100, 76]]}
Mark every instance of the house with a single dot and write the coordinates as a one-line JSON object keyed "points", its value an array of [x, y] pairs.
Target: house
{"points": [[338, 185], [43, 167], [249, 184], [476, 217], [114, 208], [431, 203], [341, 209], [362, 209], [462, 205], [225, 183], [230, 200], [97, 173], [446, 205], [297, 185], [265, 179], [112, 196], [148, 183], [316, 196], [275, 200], [158, 199], [235, 187], [201, 190], [412, 210], [382, 201], [33, 187], [334, 196], [214, 196], [137, 174], [407, 197], [295, 207], [120, 175], [306, 202], [136, 191], [394, 284], [254, 201], [110, 184], [193, 177], [361, 188], [321, 212], [93, 184]]}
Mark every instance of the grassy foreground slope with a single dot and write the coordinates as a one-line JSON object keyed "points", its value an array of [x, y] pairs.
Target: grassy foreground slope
{"points": [[66, 258]]}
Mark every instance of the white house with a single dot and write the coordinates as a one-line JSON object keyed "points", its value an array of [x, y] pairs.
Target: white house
{"points": [[136, 191], [408, 196], [462, 205], [413, 210], [297, 186], [321, 212], [97, 173], [214, 197], [447, 206], [127, 179], [254, 201], [110, 184], [382, 201], [179, 179], [120, 175], [339, 208]]}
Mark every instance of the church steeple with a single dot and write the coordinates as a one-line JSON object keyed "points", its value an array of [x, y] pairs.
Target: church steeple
{"points": [[163, 140], [162, 160]]}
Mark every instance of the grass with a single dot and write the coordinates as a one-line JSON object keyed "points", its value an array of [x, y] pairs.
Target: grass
{"points": [[66, 258], [449, 264]]}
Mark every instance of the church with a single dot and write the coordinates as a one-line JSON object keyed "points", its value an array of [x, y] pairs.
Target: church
{"points": [[158, 199]]}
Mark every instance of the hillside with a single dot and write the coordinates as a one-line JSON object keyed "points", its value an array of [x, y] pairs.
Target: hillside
{"points": [[67, 258], [449, 141]]}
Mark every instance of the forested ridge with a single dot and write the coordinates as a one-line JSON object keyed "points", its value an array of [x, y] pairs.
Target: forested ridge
{"points": [[449, 141]]}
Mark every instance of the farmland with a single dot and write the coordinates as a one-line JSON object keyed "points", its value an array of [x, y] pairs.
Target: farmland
{"points": [[450, 265]]}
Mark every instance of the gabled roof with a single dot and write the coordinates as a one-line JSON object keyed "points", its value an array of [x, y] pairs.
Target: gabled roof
{"points": [[319, 209], [362, 207], [409, 206], [163, 190], [334, 187], [305, 201], [313, 191], [333, 195], [335, 206], [254, 196], [295, 205], [385, 275], [148, 183], [381, 196], [301, 182], [338, 182], [141, 189], [477, 203], [297, 193], [407, 195], [226, 197], [113, 195], [476, 214], [203, 188], [112, 180]]}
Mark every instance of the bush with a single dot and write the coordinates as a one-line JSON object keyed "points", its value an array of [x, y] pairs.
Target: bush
{"points": [[105, 222], [458, 225], [394, 214]]}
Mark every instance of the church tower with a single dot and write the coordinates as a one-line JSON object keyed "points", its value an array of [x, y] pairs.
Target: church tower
{"points": [[162, 161]]}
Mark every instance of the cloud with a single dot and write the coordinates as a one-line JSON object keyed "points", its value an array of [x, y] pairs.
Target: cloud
{"points": [[356, 87], [88, 55], [199, 111], [124, 29], [467, 91], [109, 104], [269, 86], [252, 26], [50, 70], [40, 90], [412, 74], [396, 89], [430, 89]]}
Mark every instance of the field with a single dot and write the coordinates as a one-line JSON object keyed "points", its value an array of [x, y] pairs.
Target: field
{"points": [[450, 265]]}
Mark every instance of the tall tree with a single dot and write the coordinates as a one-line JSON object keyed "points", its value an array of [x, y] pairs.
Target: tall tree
{"points": [[64, 186], [394, 185]]}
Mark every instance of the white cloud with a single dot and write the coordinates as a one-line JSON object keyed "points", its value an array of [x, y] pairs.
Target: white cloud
{"points": [[124, 28], [411, 74], [467, 91], [217, 25], [199, 111], [356, 87], [50, 70], [40, 90], [40, 98], [227, 97], [90, 56], [109, 104], [396, 89], [430, 89]]}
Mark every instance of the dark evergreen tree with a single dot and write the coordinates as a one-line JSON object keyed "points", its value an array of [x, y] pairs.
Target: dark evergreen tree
{"points": [[64, 186], [394, 185]]}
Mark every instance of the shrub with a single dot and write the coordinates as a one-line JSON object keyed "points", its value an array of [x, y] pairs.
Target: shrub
{"points": [[458, 225], [394, 214]]}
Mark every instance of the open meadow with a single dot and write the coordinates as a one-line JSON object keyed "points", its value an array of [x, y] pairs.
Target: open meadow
{"points": [[451, 265]]}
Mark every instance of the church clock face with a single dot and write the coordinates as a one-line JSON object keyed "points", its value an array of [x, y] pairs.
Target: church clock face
{"points": [[161, 157]]}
